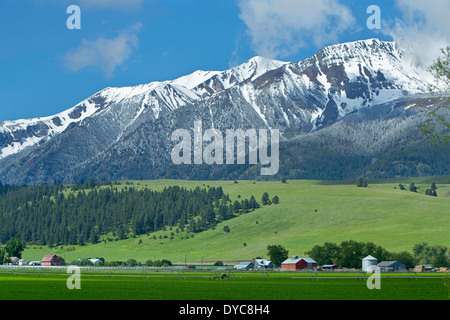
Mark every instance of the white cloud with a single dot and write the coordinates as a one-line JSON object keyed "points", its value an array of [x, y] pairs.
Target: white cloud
{"points": [[279, 28], [422, 30], [104, 53]]}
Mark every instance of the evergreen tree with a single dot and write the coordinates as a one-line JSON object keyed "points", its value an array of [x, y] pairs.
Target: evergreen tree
{"points": [[237, 206], [265, 200], [93, 238], [223, 213], [433, 186], [360, 182]]}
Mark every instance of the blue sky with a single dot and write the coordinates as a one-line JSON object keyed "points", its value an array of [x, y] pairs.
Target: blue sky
{"points": [[46, 68]]}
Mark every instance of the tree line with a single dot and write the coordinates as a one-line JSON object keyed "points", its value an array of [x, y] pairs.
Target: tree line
{"points": [[350, 254], [57, 215]]}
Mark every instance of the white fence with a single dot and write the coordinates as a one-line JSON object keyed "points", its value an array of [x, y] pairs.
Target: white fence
{"points": [[98, 268]]}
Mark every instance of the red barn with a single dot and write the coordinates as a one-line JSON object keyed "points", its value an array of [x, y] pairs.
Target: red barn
{"points": [[296, 263], [52, 260]]}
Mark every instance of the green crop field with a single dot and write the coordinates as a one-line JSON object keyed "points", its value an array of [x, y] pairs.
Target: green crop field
{"points": [[200, 286], [309, 213]]}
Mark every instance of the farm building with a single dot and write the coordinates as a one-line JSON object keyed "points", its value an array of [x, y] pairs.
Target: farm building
{"points": [[423, 268], [296, 263], [391, 266], [419, 268], [262, 264], [23, 262], [14, 260], [330, 267], [244, 266], [51, 260], [369, 263]]}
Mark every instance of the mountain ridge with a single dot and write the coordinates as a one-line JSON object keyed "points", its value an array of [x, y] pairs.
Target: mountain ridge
{"points": [[128, 124]]}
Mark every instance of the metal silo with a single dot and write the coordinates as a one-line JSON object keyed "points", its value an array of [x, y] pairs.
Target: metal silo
{"points": [[369, 263]]}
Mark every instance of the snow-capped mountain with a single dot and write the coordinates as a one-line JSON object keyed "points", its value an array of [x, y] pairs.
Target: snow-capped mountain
{"points": [[335, 82], [159, 97], [116, 126]]}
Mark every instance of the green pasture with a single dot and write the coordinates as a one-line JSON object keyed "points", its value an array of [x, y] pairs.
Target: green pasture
{"points": [[200, 286], [309, 213]]}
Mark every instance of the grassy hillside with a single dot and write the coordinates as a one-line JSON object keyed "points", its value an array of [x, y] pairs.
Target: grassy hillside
{"points": [[381, 214]]}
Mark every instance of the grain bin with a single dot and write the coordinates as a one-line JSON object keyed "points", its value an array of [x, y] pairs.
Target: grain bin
{"points": [[369, 263]]}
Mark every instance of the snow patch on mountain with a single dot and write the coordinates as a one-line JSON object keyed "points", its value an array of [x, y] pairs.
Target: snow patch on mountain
{"points": [[194, 79], [18, 131]]}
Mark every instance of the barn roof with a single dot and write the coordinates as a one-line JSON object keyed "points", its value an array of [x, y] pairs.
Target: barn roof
{"points": [[48, 257], [386, 263], [296, 259], [263, 262]]}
